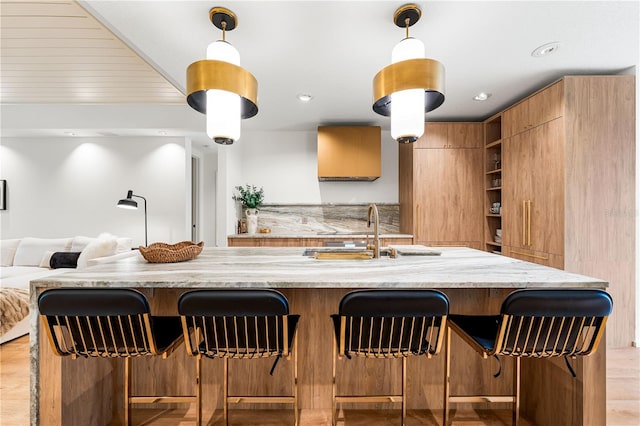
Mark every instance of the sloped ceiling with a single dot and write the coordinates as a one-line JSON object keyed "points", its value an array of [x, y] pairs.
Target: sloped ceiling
{"points": [[55, 52]]}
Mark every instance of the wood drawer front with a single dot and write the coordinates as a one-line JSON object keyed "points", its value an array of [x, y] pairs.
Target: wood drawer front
{"points": [[539, 257]]}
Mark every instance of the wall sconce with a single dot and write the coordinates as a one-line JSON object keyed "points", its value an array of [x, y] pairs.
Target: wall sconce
{"points": [[411, 86], [219, 87], [130, 203]]}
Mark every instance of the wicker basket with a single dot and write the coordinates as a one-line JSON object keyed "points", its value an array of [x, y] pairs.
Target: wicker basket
{"points": [[170, 253]]}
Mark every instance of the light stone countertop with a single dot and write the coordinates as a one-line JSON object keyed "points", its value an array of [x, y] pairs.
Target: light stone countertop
{"points": [[286, 267]]}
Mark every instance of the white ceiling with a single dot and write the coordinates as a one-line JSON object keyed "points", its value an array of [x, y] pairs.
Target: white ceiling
{"points": [[54, 51], [333, 49]]}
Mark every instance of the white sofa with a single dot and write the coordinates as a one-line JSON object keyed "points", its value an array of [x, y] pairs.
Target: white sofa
{"points": [[26, 259]]}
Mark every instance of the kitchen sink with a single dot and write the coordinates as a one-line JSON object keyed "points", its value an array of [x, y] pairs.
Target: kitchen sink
{"points": [[348, 252], [345, 244]]}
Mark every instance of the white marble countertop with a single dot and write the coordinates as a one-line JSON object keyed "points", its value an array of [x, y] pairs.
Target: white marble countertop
{"points": [[286, 267], [338, 235]]}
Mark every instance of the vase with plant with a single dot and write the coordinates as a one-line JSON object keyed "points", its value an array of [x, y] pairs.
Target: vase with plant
{"points": [[251, 199]]}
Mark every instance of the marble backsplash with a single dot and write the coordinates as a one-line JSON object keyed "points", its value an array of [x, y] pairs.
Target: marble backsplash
{"points": [[326, 218]]}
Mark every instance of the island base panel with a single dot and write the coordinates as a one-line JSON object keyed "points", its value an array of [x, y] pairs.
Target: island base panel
{"points": [[88, 391]]}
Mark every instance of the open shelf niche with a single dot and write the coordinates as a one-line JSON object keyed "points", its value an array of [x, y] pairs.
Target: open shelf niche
{"points": [[493, 183]]}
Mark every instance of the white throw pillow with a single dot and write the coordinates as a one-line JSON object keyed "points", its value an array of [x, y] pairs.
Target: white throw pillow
{"points": [[97, 248], [8, 251], [31, 250], [46, 259], [80, 242]]}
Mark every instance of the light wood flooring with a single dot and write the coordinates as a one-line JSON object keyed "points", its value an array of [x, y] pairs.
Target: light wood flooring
{"points": [[623, 401]]}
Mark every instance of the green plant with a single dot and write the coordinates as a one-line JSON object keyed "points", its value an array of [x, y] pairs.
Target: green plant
{"points": [[250, 196]]}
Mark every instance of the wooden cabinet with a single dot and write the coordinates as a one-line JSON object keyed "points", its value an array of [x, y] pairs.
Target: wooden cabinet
{"points": [[537, 109], [568, 185], [450, 135], [533, 200], [440, 186], [541, 258], [349, 152]]}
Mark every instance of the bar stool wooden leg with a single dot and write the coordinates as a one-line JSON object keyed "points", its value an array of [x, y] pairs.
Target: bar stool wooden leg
{"points": [[404, 390], [199, 390], [447, 379], [295, 380], [226, 391], [333, 386], [516, 391], [127, 391]]}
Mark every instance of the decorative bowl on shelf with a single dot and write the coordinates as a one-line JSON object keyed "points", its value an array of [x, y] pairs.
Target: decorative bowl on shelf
{"points": [[171, 253]]}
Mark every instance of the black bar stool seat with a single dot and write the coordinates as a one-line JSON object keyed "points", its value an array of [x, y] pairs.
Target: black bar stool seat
{"points": [[241, 324], [387, 324], [533, 323], [110, 323]]}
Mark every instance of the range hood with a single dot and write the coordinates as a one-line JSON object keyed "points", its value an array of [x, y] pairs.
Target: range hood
{"points": [[349, 153]]}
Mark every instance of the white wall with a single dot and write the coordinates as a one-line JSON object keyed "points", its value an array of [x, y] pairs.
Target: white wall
{"points": [[70, 186], [285, 164]]}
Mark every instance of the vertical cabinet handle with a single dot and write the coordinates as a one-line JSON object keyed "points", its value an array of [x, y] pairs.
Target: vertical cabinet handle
{"points": [[524, 222], [529, 222]]}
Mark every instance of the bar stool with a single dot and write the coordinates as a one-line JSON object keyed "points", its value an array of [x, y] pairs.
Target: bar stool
{"points": [[387, 324], [533, 323], [241, 324], [111, 323]]}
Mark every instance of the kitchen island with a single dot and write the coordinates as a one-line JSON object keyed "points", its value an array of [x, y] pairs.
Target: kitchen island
{"points": [[66, 391]]}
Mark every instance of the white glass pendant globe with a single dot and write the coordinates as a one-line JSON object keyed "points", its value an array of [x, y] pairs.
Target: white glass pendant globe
{"points": [[407, 106], [223, 108]]}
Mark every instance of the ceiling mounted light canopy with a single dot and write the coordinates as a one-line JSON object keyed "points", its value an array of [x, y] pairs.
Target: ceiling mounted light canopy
{"points": [[411, 86], [219, 87]]}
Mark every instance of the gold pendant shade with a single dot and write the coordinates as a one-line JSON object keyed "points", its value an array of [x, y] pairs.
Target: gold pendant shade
{"points": [[211, 74], [424, 73]]}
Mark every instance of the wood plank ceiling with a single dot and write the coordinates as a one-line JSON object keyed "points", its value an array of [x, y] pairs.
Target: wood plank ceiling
{"points": [[55, 52]]}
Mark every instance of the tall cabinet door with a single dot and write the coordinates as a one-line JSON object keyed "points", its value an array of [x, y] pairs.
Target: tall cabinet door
{"points": [[448, 196], [516, 187], [546, 197], [533, 194]]}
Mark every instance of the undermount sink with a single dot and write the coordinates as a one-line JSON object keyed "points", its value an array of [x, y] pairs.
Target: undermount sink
{"points": [[344, 252], [345, 244]]}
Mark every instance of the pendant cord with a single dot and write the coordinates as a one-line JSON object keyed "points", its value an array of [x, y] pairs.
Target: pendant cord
{"points": [[224, 30], [406, 22]]}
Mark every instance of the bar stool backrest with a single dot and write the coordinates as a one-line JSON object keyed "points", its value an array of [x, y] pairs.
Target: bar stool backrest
{"points": [[391, 323], [236, 323], [553, 322], [97, 322]]}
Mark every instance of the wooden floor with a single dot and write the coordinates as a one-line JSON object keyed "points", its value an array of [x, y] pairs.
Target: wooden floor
{"points": [[623, 401]]}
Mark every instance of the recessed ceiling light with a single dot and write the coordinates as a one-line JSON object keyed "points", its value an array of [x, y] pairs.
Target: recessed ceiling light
{"points": [[545, 49], [482, 96], [304, 97]]}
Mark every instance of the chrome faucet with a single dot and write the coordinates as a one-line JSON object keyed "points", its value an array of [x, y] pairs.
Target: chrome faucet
{"points": [[376, 236]]}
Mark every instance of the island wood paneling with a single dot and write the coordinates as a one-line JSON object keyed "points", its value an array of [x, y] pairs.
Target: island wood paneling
{"points": [[95, 384]]}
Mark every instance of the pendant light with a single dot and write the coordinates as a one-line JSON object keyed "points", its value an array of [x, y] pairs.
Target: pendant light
{"points": [[411, 86], [219, 87]]}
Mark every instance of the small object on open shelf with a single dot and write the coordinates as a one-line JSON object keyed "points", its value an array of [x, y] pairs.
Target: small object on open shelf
{"points": [[171, 253]]}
